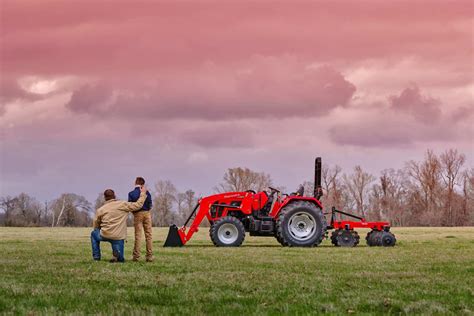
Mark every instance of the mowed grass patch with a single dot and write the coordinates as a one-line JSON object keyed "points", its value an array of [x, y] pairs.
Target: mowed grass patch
{"points": [[50, 270]]}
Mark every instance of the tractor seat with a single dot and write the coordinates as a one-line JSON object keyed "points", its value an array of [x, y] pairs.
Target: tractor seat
{"points": [[300, 191], [268, 205]]}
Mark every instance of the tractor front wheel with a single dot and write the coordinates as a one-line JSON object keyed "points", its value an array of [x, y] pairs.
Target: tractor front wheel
{"points": [[227, 232], [300, 224]]}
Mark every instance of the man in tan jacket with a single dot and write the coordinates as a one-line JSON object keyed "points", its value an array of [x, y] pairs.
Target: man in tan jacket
{"points": [[110, 223]]}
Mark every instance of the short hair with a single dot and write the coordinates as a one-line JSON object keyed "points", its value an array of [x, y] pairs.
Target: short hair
{"points": [[139, 181], [109, 194]]}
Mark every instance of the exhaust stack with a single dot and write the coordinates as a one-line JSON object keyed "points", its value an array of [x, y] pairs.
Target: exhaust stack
{"points": [[318, 190]]}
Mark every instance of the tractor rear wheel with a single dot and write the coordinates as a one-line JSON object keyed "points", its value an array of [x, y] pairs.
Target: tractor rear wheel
{"points": [[227, 232], [300, 224], [279, 239], [345, 238]]}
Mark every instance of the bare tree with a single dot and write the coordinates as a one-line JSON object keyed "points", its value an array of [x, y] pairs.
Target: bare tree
{"points": [[99, 201], [333, 185], [165, 197], [467, 203], [22, 210], [186, 202], [389, 197], [71, 210], [181, 213], [426, 190], [357, 184], [242, 179], [308, 188], [451, 163], [7, 204], [40, 212]]}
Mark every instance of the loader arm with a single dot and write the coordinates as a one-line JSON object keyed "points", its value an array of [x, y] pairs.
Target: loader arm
{"points": [[180, 236]]}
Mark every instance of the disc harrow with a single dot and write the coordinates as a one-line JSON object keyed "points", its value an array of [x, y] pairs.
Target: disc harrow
{"points": [[344, 234], [345, 238]]}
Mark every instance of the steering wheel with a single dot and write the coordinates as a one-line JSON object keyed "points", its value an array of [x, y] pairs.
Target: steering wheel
{"points": [[274, 190], [251, 191]]}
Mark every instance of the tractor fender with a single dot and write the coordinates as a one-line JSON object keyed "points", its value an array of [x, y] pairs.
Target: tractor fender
{"points": [[300, 198]]}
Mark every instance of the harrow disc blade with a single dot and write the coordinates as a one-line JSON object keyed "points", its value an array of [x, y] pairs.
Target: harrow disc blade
{"points": [[388, 239], [345, 238], [374, 238], [173, 239]]}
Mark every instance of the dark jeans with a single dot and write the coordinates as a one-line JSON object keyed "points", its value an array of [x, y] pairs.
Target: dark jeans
{"points": [[117, 246]]}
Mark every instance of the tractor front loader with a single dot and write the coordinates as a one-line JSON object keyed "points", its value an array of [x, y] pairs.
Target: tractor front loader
{"points": [[293, 219]]}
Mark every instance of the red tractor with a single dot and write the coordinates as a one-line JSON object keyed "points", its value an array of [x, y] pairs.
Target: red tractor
{"points": [[293, 219]]}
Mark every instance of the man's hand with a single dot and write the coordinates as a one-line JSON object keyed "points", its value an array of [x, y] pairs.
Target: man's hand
{"points": [[142, 189]]}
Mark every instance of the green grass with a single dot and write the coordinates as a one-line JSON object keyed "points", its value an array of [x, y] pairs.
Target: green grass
{"points": [[430, 271]]}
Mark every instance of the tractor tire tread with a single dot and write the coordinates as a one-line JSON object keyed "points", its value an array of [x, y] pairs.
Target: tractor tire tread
{"points": [[227, 219], [280, 236]]}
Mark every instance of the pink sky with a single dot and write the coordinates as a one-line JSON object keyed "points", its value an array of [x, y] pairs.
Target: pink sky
{"points": [[94, 93]]}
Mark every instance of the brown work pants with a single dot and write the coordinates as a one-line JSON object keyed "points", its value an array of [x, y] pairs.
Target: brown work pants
{"points": [[142, 219]]}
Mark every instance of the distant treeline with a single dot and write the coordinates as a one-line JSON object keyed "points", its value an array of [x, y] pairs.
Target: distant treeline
{"points": [[438, 191]]}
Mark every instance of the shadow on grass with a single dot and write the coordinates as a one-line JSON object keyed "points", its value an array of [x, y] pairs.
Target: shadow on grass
{"points": [[243, 246], [249, 246]]}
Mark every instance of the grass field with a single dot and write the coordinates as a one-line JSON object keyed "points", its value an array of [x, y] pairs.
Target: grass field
{"points": [[430, 271]]}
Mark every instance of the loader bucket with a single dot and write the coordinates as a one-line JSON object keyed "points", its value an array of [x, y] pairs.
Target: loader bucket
{"points": [[173, 239]]}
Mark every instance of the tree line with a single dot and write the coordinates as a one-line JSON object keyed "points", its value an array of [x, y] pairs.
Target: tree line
{"points": [[437, 191]]}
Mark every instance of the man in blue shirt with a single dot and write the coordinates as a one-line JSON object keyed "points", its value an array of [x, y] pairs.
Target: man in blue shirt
{"points": [[142, 219]]}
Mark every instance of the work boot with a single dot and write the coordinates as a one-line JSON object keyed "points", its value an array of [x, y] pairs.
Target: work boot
{"points": [[115, 257]]}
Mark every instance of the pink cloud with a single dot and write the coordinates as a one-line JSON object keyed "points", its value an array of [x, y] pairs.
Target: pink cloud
{"points": [[10, 90], [260, 85], [114, 38], [89, 98], [219, 135], [265, 87], [379, 132], [398, 122], [464, 113], [422, 108]]}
